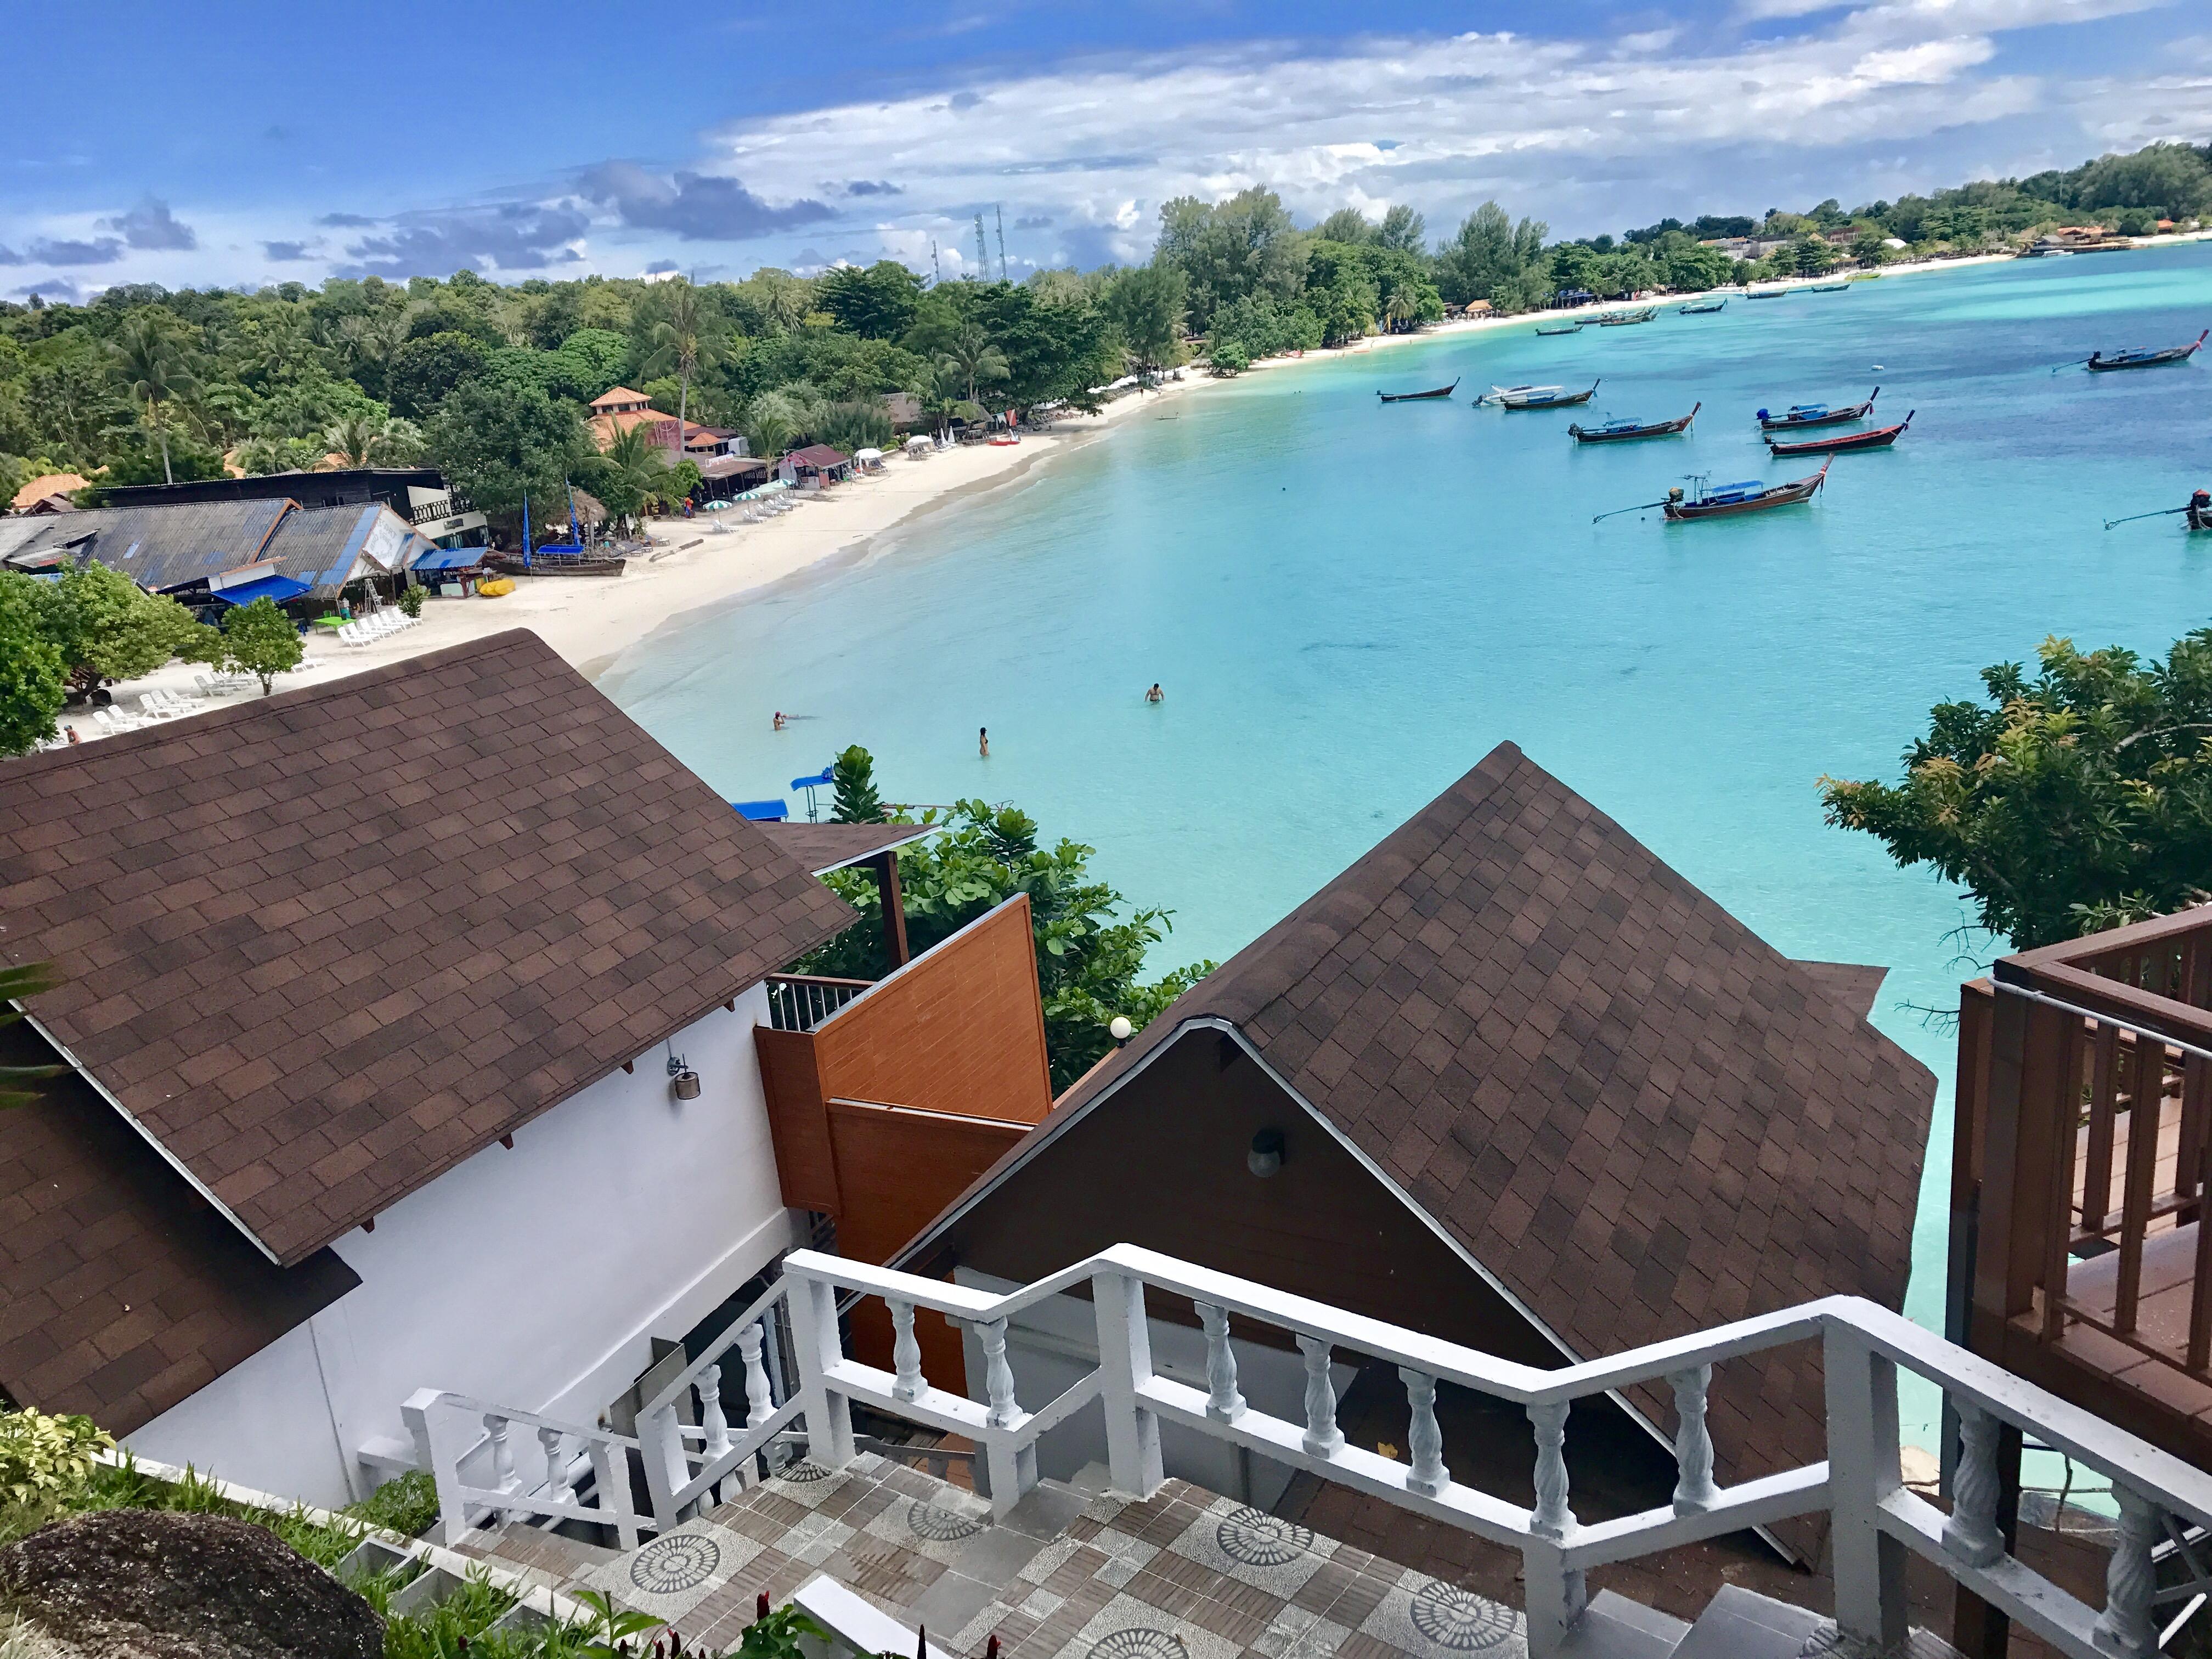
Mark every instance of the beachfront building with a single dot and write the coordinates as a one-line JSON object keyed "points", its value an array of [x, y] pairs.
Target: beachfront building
{"points": [[50, 492], [620, 409], [814, 467]]}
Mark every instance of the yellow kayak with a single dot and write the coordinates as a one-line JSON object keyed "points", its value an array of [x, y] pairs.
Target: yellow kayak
{"points": [[496, 589]]}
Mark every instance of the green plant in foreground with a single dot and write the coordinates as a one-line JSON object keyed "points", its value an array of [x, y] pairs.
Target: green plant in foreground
{"points": [[44, 1462], [406, 1506], [451, 1627], [410, 601]]}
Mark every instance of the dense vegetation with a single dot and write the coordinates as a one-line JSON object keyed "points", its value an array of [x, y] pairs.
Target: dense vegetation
{"points": [[2066, 802], [1088, 955], [491, 382]]}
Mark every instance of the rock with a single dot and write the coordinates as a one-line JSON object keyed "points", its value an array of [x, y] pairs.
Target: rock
{"points": [[156, 1584]]}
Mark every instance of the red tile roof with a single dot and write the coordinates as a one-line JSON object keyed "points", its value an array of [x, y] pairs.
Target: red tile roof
{"points": [[1638, 1116], [325, 945]]}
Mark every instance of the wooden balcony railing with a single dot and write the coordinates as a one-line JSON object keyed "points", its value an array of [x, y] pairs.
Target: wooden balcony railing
{"points": [[2104, 1058]]}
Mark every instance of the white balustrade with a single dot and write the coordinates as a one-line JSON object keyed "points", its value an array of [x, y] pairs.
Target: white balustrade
{"points": [[503, 1477], [1323, 1438], [1424, 1439], [1224, 1404], [711, 1418], [1875, 1520], [906, 1353], [1694, 1491], [557, 1468]]}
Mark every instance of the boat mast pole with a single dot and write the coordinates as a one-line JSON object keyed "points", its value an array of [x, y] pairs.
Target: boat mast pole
{"points": [[2163, 513]]}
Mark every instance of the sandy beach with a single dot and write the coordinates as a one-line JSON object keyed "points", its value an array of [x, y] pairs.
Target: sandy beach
{"points": [[694, 565]]}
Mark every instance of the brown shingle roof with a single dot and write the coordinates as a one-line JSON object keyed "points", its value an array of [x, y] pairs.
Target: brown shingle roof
{"points": [[126, 1292], [325, 945], [1638, 1115], [825, 847]]}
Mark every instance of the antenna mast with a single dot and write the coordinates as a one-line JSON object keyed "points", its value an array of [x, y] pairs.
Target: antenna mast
{"points": [[936, 272], [982, 251], [1002, 218]]}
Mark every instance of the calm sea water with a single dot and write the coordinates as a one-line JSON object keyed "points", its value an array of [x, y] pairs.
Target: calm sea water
{"points": [[1348, 605]]}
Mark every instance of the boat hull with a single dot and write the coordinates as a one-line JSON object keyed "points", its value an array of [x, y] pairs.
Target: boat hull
{"points": [[1584, 435], [2199, 518], [1418, 397], [536, 567], [1843, 443], [2101, 365], [1788, 494], [1832, 417]]}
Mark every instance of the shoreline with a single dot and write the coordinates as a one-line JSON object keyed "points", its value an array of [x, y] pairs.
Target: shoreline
{"points": [[694, 570]]}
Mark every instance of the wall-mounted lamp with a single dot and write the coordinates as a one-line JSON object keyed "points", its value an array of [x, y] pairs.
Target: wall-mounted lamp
{"points": [[1266, 1154], [683, 1081], [1119, 1027]]}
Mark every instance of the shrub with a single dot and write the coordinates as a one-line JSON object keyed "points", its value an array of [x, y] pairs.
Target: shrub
{"points": [[45, 1461], [407, 1506], [410, 601]]}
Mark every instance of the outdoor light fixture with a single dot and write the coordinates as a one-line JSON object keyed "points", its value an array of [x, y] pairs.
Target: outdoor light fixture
{"points": [[1119, 1027], [683, 1081], [1266, 1154]]}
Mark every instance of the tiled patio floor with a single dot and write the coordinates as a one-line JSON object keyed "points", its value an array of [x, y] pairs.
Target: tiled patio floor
{"points": [[1183, 1575]]}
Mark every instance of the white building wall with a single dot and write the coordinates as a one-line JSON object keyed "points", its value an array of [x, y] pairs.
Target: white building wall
{"points": [[534, 1279]]}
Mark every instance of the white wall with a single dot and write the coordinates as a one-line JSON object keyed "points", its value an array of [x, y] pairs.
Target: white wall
{"points": [[1054, 1345], [534, 1279]]}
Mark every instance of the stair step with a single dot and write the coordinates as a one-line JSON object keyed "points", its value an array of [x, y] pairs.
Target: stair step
{"points": [[1613, 1627], [1741, 1624]]}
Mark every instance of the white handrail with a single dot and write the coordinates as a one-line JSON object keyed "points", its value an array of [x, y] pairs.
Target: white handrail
{"points": [[1860, 1488]]}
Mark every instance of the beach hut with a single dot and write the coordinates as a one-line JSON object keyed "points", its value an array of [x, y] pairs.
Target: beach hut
{"points": [[815, 467]]}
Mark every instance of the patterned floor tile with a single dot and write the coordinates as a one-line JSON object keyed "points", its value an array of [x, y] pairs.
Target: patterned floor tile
{"points": [[1125, 1628], [676, 1571], [1254, 1547], [1431, 1618]]}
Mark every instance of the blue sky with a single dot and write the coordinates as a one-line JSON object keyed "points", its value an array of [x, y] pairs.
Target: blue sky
{"points": [[249, 143]]}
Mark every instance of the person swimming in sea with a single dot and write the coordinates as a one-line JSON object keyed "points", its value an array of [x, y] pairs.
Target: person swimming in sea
{"points": [[778, 720], [1156, 695], [983, 741]]}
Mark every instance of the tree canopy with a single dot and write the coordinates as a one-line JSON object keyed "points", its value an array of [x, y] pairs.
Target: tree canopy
{"points": [[2064, 802]]}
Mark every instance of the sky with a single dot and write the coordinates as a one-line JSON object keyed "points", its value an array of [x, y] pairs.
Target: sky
{"points": [[239, 143]]}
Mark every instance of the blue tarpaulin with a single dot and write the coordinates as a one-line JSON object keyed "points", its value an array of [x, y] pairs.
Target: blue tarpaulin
{"points": [[450, 558], [279, 588], [762, 811]]}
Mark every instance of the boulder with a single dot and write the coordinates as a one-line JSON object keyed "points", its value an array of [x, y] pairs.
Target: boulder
{"points": [[158, 1584]]}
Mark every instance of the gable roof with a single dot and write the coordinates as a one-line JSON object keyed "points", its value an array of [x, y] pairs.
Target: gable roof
{"points": [[818, 455], [162, 548], [822, 847], [324, 945], [1639, 1117], [621, 394], [47, 484], [127, 1292], [326, 547]]}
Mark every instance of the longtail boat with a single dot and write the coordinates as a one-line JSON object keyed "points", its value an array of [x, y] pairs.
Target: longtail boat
{"points": [[2197, 513], [1623, 318], [1766, 294], [1827, 287], [1537, 396], [1843, 443], [1753, 496], [1699, 308], [1614, 432], [2143, 356], [1561, 328], [1418, 397], [1804, 415], [558, 561]]}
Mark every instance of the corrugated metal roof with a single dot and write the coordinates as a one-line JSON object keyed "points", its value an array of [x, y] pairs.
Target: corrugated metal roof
{"points": [[326, 547], [162, 548]]}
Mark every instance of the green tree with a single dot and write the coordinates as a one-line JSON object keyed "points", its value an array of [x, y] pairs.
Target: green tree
{"points": [[33, 678], [970, 353], [1247, 245], [499, 443], [853, 785], [1486, 250], [1090, 953], [686, 336], [1147, 304], [632, 469], [1347, 225], [1403, 230], [154, 363], [594, 357], [107, 627], [425, 372], [2062, 802], [18, 982], [877, 302], [365, 441], [2172, 180], [260, 639]]}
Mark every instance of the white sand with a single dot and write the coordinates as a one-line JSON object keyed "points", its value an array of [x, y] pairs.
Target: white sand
{"points": [[591, 621]]}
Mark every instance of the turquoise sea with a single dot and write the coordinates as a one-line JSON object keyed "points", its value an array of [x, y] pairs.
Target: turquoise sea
{"points": [[1349, 604]]}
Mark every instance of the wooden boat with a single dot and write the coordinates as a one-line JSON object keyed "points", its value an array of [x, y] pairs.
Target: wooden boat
{"points": [[1563, 328], [1843, 443], [1752, 496], [1418, 397], [1537, 396], [2143, 358], [1766, 294], [1700, 307], [558, 561], [1614, 432], [1827, 287], [1623, 318], [1798, 415], [2199, 510]]}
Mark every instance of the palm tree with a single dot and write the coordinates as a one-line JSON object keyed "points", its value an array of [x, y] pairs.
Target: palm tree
{"points": [[685, 340], [369, 440], [1403, 311], [970, 354], [157, 366]]}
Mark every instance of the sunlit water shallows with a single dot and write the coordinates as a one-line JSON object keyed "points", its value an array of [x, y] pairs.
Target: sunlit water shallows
{"points": [[1348, 605]]}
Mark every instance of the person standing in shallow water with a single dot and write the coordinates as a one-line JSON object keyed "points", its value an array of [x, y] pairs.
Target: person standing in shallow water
{"points": [[983, 741], [1156, 695]]}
